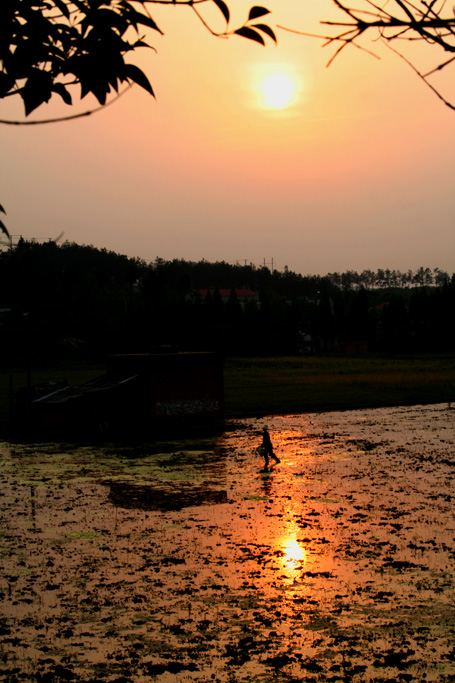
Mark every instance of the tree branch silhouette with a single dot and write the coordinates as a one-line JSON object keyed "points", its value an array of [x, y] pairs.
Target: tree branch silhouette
{"points": [[428, 21], [70, 117]]}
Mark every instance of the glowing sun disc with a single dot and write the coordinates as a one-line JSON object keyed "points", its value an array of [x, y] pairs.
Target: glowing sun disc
{"points": [[278, 91]]}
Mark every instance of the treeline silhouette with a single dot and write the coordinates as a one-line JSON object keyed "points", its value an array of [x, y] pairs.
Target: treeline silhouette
{"points": [[72, 301]]}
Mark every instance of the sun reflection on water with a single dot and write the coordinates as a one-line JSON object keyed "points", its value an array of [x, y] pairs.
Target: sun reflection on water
{"points": [[294, 554], [294, 557]]}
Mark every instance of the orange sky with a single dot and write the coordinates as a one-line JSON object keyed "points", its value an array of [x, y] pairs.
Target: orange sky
{"points": [[359, 172]]}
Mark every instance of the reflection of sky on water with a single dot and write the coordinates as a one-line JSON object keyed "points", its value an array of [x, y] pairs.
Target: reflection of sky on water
{"points": [[348, 541]]}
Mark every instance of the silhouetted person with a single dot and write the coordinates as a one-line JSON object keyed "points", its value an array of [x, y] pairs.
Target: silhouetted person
{"points": [[267, 448]]}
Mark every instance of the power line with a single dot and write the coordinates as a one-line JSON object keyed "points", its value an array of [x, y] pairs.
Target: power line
{"points": [[264, 264]]}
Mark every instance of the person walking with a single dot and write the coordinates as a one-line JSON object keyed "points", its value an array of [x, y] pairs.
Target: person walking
{"points": [[266, 448]]}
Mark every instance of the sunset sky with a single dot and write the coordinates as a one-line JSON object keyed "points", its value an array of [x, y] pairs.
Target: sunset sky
{"points": [[329, 169]]}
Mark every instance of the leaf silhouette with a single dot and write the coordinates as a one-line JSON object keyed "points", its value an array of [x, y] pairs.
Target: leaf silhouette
{"points": [[62, 7], [133, 73], [257, 11], [36, 90], [250, 33], [3, 229], [224, 9], [266, 29], [60, 89]]}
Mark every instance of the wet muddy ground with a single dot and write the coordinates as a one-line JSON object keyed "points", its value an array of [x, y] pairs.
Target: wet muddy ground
{"points": [[189, 564]]}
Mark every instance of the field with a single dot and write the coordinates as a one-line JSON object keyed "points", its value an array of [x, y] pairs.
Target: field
{"points": [[183, 562], [255, 386], [258, 386]]}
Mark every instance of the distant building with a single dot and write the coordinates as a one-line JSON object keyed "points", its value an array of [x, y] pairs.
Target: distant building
{"points": [[243, 296]]}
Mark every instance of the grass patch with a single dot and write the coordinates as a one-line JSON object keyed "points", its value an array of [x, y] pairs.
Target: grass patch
{"points": [[286, 385]]}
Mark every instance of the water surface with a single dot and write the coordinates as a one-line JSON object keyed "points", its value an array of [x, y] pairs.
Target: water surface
{"points": [[190, 564]]}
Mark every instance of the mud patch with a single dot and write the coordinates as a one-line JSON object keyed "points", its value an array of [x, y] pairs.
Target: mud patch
{"points": [[188, 564]]}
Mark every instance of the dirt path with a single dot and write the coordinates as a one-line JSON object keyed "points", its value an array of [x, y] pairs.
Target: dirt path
{"points": [[127, 565]]}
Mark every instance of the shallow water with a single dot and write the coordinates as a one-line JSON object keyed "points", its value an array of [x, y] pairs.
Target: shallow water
{"points": [[193, 565]]}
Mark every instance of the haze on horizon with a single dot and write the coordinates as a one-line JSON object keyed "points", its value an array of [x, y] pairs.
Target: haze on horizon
{"points": [[347, 168]]}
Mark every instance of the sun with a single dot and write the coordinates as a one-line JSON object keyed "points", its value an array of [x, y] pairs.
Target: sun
{"points": [[278, 91], [275, 87]]}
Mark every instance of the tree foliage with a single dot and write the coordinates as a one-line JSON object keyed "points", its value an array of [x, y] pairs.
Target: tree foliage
{"points": [[79, 302], [47, 46]]}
